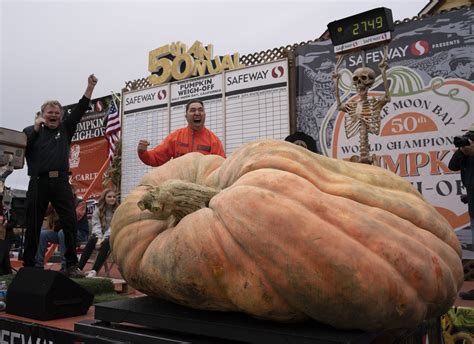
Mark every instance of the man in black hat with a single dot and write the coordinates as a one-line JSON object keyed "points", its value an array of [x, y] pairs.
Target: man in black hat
{"points": [[304, 140]]}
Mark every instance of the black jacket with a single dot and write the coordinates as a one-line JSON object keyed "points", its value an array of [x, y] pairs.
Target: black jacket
{"points": [[465, 164], [48, 149]]}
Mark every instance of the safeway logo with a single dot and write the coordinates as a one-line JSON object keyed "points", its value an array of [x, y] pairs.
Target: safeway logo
{"points": [[161, 94], [98, 107], [419, 48], [278, 72]]}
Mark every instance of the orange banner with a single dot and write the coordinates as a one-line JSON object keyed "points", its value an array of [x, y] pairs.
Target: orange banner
{"points": [[86, 161]]}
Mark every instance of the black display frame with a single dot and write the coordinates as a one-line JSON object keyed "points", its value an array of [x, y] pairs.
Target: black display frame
{"points": [[342, 30]]}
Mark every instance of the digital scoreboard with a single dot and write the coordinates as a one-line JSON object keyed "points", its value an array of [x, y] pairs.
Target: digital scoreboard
{"points": [[361, 30]]}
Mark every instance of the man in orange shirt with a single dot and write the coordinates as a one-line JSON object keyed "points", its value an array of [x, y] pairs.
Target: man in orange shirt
{"points": [[193, 138]]}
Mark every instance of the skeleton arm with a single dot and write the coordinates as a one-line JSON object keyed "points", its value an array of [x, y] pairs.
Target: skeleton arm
{"points": [[383, 69], [336, 76]]}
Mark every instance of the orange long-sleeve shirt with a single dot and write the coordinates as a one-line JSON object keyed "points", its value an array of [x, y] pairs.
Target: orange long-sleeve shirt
{"points": [[180, 142]]}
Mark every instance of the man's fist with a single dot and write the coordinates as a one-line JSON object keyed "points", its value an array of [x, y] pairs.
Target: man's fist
{"points": [[142, 146], [92, 80]]}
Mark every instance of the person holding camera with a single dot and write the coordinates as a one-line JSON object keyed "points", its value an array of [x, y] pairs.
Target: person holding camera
{"points": [[463, 160]]}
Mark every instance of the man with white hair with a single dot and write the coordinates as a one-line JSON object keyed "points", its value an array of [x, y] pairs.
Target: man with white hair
{"points": [[47, 157]]}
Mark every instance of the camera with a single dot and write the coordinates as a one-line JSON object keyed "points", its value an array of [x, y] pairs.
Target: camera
{"points": [[464, 140]]}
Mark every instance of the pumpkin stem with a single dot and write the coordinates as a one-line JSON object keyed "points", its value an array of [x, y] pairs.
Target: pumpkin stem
{"points": [[174, 199]]}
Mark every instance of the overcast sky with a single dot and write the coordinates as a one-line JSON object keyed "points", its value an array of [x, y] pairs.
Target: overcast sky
{"points": [[48, 48]]}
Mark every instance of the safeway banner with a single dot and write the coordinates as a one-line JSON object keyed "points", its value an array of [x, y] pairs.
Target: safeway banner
{"points": [[431, 75]]}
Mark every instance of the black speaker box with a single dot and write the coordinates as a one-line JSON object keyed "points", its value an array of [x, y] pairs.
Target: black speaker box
{"points": [[46, 295], [18, 211]]}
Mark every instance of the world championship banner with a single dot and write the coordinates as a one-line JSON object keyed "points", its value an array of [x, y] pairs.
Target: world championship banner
{"points": [[431, 74], [89, 147]]}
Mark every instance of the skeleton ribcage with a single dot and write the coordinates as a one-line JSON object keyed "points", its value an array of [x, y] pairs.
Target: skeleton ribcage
{"points": [[367, 112]]}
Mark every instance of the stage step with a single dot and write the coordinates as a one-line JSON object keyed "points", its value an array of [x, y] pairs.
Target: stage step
{"points": [[120, 285]]}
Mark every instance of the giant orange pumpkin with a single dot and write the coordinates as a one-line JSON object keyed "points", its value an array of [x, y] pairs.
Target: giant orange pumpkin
{"points": [[287, 235]]}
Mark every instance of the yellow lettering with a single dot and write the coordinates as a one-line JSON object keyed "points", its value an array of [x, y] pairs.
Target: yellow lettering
{"points": [[196, 50], [175, 61], [217, 68], [177, 48], [227, 63], [177, 70], [207, 52], [237, 63], [154, 56], [155, 64], [200, 67], [165, 76]]}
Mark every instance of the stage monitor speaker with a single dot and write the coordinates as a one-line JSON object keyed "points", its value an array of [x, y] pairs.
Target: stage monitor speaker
{"points": [[46, 295], [18, 211]]}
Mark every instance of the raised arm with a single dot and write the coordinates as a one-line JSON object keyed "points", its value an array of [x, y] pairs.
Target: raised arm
{"points": [[336, 76], [383, 69], [91, 82]]}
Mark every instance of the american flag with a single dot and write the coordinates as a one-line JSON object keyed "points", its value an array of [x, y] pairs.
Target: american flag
{"points": [[112, 130]]}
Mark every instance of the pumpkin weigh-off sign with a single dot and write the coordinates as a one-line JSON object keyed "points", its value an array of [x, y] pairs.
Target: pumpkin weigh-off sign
{"points": [[359, 248]]}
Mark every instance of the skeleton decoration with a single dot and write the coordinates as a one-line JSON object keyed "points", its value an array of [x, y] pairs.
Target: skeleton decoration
{"points": [[363, 115]]}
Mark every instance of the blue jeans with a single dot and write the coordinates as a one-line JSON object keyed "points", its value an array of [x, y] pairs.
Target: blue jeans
{"points": [[49, 236]]}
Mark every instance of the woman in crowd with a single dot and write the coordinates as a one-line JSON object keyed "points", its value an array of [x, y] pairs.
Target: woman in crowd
{"points": [[99, 239]]}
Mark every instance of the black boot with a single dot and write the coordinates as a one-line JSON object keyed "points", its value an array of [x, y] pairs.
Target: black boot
{"points": [[467, 295]]}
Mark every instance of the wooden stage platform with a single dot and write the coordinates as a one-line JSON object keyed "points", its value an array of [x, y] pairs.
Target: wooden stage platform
{"points": [[80, 329]]}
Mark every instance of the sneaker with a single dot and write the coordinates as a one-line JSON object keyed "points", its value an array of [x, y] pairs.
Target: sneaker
{"points": [[91, 274], [74, 272], [467, 295]]}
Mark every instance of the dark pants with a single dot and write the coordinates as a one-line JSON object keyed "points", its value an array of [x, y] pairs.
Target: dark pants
{"points": [[101, 256], [41, 191], [5, 246]]}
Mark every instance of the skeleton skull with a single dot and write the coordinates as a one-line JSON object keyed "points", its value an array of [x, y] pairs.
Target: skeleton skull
{"points": [[363, 78]]}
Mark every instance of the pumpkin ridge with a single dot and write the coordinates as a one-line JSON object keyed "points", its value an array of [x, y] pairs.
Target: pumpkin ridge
{"points": [[238, 245], [391, 195], [254, 153], [389, 225], [395, 230], [331, 186], [293, 301], [241, 245]]}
